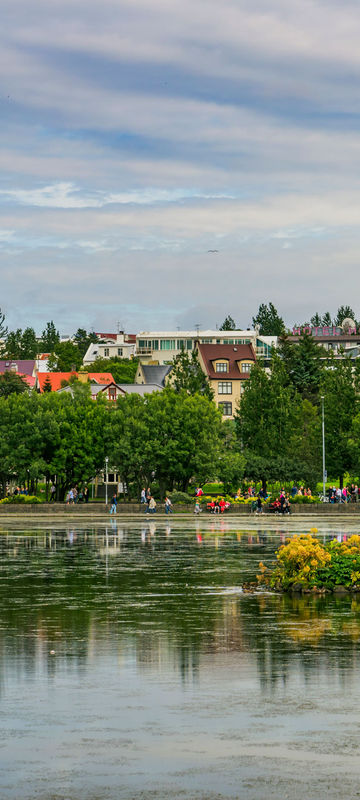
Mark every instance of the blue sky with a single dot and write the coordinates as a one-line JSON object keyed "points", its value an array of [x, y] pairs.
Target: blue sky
{"points": [[137, 135]]}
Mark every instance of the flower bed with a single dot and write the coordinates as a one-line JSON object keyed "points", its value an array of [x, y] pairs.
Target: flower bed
{"points": [[21, 499], [306, 564]]}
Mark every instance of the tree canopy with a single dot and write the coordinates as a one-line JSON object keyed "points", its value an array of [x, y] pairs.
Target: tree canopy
{"points": [[268, 321]]}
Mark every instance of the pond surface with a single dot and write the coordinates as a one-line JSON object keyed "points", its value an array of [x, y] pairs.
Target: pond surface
{"points": [[133, 666]]}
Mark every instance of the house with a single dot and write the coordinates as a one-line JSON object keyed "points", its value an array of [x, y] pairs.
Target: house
{"points": [[26, 369], [227, 368], [111, 391], [152, 374], [111, 345], [339, 340], [56, 379], [160, 347], [21, 367], [140, 388]]}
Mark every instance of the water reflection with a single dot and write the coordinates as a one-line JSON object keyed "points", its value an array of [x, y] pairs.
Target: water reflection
{"points": [[133, 664], [164, 598]]}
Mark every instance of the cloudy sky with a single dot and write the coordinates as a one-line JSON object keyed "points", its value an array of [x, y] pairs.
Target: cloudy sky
{"points": [[137, 135]]}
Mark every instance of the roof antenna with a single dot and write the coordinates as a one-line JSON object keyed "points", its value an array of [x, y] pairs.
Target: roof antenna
{"points": [[197, 327]]}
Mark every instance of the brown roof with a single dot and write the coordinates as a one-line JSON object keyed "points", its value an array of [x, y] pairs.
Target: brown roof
{"points": [[230, 352]]}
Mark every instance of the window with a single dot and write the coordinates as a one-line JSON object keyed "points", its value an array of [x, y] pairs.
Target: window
{"points": [[228, 341], [167, 344], [181, 344], [189, 344], [155, 344], [246, 367], [226, 409], [120, 351], [106, 352], [221, 366], [206, 341], [112, 393], [225, 387]]}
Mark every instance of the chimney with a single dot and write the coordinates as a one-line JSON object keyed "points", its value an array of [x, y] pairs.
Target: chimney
{"points": [[83, 376]]}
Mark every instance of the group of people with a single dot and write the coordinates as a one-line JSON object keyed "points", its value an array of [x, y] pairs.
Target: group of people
{"points": [[344, 495], [74, 495], [149, 502]]}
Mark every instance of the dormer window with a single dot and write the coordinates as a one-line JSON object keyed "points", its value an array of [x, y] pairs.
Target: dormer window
{"points": [[246, 367], [221, 366]]}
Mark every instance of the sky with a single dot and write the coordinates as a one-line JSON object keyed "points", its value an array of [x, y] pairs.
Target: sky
{"points": [[137, 136]]}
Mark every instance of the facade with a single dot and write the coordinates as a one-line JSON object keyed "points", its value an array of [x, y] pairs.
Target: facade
{"points": [[340, 341], [227, 368], [109, 390], [111, 345], [160, 347]]}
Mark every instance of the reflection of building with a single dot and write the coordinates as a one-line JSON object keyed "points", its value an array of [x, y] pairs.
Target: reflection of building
{"points": [[160, 347], [227, 368]]}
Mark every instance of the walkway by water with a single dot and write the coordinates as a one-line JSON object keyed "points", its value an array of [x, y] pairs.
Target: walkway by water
{"points": [[133, 666]]}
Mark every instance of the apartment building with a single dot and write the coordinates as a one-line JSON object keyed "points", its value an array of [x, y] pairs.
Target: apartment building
{"points": [[227, 368], [160, 347]]}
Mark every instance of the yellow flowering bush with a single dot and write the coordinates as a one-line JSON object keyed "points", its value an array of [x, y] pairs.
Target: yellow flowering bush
{"points": [[307, 562]]}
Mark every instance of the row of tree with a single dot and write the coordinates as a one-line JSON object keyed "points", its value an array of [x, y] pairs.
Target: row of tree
{"points": [[279, 420], [172, 435], [270, 323]]}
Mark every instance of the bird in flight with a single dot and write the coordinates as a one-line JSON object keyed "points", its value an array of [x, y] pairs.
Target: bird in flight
{"points": [[213, 251]]}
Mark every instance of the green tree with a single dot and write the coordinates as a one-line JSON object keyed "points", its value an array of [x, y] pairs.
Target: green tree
{"points": [[268, 321], [304, 363], [326, 320], [65, 358], [343, 312], [340, 388], [316, 320], [11, 383], [228, 324], [265, 422], [50, 338], [47, 385], [29, 344], [123, 370], [82, 339], [187, 374], [172, 434], [3, 332], [13, 344]]}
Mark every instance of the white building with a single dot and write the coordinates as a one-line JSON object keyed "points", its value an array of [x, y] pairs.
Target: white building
{"points": [[111, 345], [160, 347]]}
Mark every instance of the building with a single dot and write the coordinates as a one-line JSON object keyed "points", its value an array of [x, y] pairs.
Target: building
{"points": [[340, 341], [111, 391], [160, 347], [111, 345], [57, 379], [152, 374], [227, 368]]}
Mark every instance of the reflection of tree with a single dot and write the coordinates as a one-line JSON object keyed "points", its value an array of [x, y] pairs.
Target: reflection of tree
{"points": [[311, 632], [161, 598]]}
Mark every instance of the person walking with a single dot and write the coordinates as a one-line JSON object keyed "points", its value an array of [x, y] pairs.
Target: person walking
{"points": [[113, 504], [152, 505], [52, 493], [143, 495], [86, 494], [168, 505]]}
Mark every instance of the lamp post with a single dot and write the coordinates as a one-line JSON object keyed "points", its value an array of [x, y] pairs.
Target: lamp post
{"points": [[323, 444], [106, 478]]}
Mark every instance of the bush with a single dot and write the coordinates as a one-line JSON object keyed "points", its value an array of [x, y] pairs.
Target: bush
{"points": [[300, 499], [180, 497], [21, 499], [306, 562], [213, 488]]}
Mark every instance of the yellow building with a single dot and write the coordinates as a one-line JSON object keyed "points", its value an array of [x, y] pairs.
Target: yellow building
{"points": [[227, 368]]}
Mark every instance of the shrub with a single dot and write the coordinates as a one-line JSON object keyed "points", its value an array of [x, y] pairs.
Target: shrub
{"points": [[213, 488], [307, 562], [21, 499], [180, 497]]}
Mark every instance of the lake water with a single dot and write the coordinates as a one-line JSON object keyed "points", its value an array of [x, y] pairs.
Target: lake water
{"points": [[133, 666]]}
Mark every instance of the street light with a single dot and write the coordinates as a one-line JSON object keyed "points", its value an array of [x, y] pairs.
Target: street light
{"points": [[106, 478], [323, 444]]}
